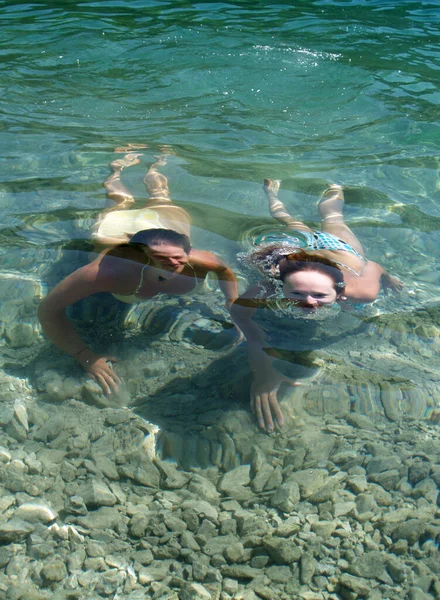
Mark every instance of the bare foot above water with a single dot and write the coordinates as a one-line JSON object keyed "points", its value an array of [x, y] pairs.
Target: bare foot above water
{"points": [[271, 186], [129, 160]]}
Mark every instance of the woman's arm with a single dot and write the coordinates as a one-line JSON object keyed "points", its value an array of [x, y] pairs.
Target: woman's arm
{"points": [[206, 261], [58, 328], [266, 380], [51, 311], [366, 287]]}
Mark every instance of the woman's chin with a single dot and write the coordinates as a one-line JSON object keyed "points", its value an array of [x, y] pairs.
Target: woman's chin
{"points": [[309, 309], [170, 271], [295, 311]]}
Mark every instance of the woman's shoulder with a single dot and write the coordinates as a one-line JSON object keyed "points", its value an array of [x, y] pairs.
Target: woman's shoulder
{"points": [[365, 287], [116, 264], [124, 252], [120, 257], [206, 261]]}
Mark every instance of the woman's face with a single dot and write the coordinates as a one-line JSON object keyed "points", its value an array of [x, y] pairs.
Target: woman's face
{"points": [[310, 289], [168, 257]]}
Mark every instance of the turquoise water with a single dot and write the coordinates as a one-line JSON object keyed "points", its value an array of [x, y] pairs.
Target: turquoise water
{"points": [[235, 92], [311, 94]]}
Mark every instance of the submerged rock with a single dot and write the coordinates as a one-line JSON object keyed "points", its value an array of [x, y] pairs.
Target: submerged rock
{"points": [[96, 493], [15, 530], [35, 512], [286, 497]]}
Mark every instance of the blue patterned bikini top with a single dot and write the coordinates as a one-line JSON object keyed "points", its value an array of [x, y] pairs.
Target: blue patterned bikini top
{"points": [[313, 240], [310, 240]]}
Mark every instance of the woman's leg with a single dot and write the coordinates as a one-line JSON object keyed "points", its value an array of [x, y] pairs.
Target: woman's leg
{"points": [[115, 224], [116, 190], [170, 216], [156, 183], [277, 208], [331, 208], [119, 199]]}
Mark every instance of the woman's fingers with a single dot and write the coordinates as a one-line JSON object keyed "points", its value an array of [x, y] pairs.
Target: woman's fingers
{"points": [[393, 283], [397, 285], [276, 410], [112, 382], [263, 413], [256, 407], [107, 385], [113, 378], [102, 383], [264, 401], [104, 375], [266, 409]]}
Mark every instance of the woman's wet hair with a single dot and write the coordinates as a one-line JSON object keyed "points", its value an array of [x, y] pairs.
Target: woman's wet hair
{"points": [[264, 259], [157, 237], [301, 261]]}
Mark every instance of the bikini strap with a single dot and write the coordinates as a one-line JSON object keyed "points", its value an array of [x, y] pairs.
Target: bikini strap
{"points": [[194, 272], [141, 278], [346, 267]]}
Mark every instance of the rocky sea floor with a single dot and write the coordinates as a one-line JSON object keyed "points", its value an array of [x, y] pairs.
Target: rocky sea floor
{"points": [[169, 491], [331, 507]]}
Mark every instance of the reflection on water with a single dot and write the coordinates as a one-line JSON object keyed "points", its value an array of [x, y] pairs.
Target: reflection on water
{"points": [[168, 489]]}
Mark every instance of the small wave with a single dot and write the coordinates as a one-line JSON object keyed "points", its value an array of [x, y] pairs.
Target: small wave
{"points": [[311, 53]]}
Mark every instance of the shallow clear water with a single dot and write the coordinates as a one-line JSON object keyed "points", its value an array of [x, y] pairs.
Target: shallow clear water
{"points": [[314, 93], [309, 94]]}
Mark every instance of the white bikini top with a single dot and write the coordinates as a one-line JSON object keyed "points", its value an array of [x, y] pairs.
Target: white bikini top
{"points": [[134, 297]]}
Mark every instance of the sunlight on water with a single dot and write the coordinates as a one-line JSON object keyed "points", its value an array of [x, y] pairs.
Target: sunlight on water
{"points": [[167, 488]]}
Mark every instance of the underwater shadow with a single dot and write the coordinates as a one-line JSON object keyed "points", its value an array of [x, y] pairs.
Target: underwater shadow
{"points": [[185, 404]]}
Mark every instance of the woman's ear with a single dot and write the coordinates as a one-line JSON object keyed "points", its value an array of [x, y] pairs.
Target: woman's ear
{"points": [[340, 289]]}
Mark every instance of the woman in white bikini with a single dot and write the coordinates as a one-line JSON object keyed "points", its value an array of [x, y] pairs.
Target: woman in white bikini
{"points": [[148, 253], [305, 274]]}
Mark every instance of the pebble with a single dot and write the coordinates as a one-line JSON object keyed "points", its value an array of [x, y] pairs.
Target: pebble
{"points": [[35, 512]]}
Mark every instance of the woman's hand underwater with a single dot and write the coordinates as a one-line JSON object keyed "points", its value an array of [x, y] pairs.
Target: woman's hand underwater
{"points": [[100, 370], [389, 282], [264, 401]]}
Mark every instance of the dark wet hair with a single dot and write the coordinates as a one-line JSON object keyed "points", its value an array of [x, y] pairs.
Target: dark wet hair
{"points": [[301, 261], [156, 237]]}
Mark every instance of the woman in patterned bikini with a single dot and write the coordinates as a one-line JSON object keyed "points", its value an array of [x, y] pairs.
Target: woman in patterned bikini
{"points": [[305, 274]]}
